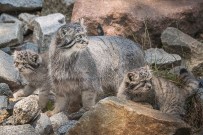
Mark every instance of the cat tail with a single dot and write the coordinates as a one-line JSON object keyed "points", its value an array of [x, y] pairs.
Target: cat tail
{"points": [[190, 83]]}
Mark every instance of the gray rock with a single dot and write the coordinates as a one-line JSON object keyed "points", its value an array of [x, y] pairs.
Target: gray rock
{"points": [[28, 46], [17, 130], [175, 41], [27, 19], [26, 110], [5, 90], [22, 5], [45, 27], [65, 127], [5, 18], [3, 102], [58, 120], [162, 59], [43, 125], [6, 50], [8, 73], [11, 34]]}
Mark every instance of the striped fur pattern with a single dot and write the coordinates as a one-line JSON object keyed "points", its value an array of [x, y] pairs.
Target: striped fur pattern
{"points": [[33, 67], [159, 92]]}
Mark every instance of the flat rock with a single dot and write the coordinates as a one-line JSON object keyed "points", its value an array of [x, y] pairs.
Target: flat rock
{"points": [[18, 130], [131, 18], [5, 90], [113, 116], [175, 41], [65, 127], [11, 34], [6, 18], [3, 102], [43, 125], [23, 5], [162, 59], [28, 46], [45, 27], [26, 110], [8, 73], [58, 120]]}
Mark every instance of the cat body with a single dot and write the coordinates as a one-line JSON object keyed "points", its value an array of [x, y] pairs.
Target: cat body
{"points": [[90, 67], [157, 91], [33, 67]]}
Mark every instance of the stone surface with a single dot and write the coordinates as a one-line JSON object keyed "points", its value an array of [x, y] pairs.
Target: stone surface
{"points": [[113, 116], [43, 125], [45, 27], [65, 127], [28, 46], [3, 102], [60, 6], [17, 130], [162, 59], [8, 73], [23, 5], [131, 18], [6, 18], [11, 34], [27, 19], [26, 110], [5, 90], [175, 41], [6, 50], [58, 120], [3, 115]]}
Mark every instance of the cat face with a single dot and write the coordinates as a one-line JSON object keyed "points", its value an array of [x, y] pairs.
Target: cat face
{"points": [[139, 86], [26, 61], [70, 34]]}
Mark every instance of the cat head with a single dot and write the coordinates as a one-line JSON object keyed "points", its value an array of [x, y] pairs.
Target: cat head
{"points": [[26, 61], [140, 74], [72, 34], [138, 84]]}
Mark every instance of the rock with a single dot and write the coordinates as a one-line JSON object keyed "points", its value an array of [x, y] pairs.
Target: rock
{"points": [[11, 34], [175, 41], [28, 46], [43, 125], [60, 6], [27, 19], [5, 18], [3, 116], [26, 110], [45, 27], [5, 90], [58, 120], [23, 5], [113, 116], [131, 18], [8, 73], [3, 102], [6, 50], [18, 130], [161, 59], [65, 127]]}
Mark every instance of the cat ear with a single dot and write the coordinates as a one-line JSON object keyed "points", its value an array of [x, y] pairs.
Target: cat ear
{"points": [[130, 76], [37, 58], [147, 67]]}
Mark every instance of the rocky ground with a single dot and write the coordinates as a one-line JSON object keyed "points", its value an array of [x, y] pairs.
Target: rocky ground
{"points": [[170, 32]]}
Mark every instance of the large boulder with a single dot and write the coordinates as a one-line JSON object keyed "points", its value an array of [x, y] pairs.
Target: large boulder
{"points": [[11, 34], [23, 5], [58, 6], [141, 20], [175, 41], [5, 90], [45, 27], [113, 116], [18, 130], [8, 73]]}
